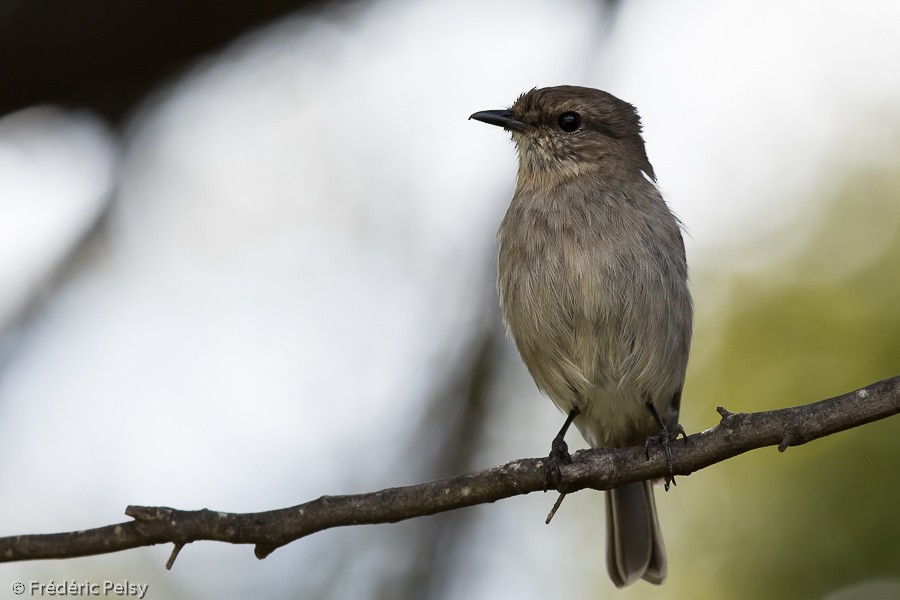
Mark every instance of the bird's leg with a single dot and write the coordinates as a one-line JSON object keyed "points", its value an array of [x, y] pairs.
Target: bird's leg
{"points": [[664, 438], [559, 453]]}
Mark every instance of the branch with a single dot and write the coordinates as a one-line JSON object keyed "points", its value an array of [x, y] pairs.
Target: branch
{"points": [[599, 469]]}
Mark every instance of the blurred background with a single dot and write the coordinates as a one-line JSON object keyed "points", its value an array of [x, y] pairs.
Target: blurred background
{"points": [[247, 257]]}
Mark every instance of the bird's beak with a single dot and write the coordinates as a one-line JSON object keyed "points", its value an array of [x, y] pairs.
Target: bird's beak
{"points": [[501, 118]]}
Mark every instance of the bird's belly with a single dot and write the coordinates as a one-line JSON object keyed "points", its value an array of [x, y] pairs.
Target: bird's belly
{"points": [[589, 348], [615, 418]]}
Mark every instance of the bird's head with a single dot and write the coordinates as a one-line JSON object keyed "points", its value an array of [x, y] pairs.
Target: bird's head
{"points": [[566, 131]]}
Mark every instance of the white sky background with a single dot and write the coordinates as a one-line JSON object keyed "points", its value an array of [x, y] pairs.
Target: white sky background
{"points": [[301, 244]]}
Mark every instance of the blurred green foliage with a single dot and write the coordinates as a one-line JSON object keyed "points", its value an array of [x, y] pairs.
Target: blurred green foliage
{"points": [[817, 323]]}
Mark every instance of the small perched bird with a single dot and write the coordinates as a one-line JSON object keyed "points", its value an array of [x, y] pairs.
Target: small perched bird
{"points": [[593, 287]]}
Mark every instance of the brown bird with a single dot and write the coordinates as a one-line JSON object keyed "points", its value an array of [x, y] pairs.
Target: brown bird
{"points": [[593, 287]]}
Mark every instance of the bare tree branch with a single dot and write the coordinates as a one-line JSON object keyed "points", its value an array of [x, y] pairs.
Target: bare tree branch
{"points": [[599, 469]]}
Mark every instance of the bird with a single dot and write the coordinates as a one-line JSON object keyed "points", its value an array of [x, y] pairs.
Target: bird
{"points": [[593, 286]]}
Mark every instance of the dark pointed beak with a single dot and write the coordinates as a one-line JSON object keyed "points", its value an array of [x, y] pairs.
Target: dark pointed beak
{"points": [[501, 118]]}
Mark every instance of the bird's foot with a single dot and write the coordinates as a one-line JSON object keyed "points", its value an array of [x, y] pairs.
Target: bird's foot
{"points": [[666, 438], [559, 456], [559, 453]]}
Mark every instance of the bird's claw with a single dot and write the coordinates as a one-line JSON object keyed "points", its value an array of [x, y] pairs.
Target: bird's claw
{"points": [[666, 438], [559, 456]]}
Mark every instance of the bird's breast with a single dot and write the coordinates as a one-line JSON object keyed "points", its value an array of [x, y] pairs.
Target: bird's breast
{"points": [[593, 299]]}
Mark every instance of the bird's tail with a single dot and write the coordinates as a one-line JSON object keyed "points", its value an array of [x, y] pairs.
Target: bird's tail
{"points": [[634, 544]]}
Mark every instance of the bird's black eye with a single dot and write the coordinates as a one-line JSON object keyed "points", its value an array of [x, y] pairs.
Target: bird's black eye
{"points": [[569, 121]]}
